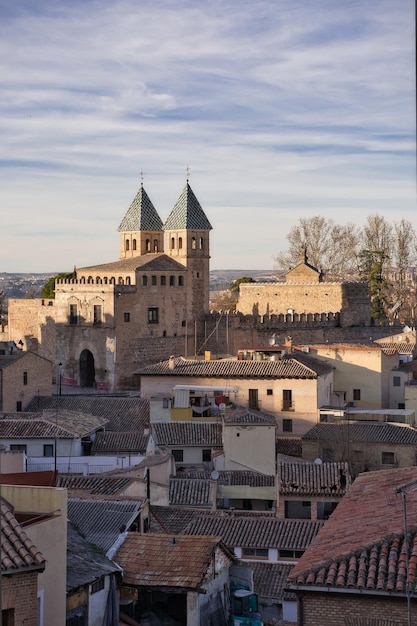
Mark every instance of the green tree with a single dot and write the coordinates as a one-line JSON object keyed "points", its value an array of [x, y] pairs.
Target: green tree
{"points": [[235, 286], [48, 290], [372, 270]]}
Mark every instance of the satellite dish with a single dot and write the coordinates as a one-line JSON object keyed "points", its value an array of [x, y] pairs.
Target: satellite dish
{"points": [[272, 340], [222, 406], [214, 475], [318, 461]]}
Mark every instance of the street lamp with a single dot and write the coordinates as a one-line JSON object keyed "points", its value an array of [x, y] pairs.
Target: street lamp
{"points": [[60, 377]]}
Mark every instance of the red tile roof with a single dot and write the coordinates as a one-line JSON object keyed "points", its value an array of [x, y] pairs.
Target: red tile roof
{"points": [[18, 552], [362, 544], [296, 366], [173, 561]]}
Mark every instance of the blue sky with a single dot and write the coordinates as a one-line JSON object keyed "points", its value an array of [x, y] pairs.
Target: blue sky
{"points": [[282, 109]]}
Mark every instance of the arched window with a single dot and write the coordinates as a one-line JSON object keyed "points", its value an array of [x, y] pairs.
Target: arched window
{"points": [[127, 245], [98, 280], [82, 281], [105, 280], [90, 280], [134, 244], [127, 280], [148, 245], [193, 243], [112, 280], [201, 243], [155, 245], [172, 243], [120, 281], [180, 243]]}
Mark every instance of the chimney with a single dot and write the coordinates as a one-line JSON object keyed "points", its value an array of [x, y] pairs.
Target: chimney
{"points": [[288, 344], [171, 362]]}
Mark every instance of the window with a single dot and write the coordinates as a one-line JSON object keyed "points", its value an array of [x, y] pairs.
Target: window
{"points": [[193, 243], [388, 458], [178, 456], [153, 280], [98, 585], [126, 317], [97, 314], [206, 456], [172, 243], [15, 447], [18, 406], [155, 245], [73, 314], [396, 381], [290, 554], [165, 403], [286, 400], [148, 245], [269, 392], [163, 281], [48, 449], [255, 553], [153, 317], [201, 243], [25, 378], [127, 245], [287, 426], [144, 281], [181, 281], [180, 243], [134, 244], [171, 281], [356, 394]]}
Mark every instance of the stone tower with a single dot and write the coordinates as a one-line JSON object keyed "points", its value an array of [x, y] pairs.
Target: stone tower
{"points": [[141, 228], [187, 240]]}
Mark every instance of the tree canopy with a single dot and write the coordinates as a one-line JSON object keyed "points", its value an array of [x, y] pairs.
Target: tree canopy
{"points": [[48, 290], [380, 253]]}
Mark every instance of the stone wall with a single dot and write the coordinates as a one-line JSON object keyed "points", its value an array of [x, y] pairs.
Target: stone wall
{"points": [[350, 300]]}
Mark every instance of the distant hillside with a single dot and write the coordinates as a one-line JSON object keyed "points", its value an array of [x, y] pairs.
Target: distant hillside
{"points": [[222, 279]]}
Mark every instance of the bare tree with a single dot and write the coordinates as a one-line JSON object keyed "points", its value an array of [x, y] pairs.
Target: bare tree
{"points": [[330, 246]]}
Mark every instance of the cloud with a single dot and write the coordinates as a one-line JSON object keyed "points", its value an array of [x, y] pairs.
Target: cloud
{"points": [[282, 109]]}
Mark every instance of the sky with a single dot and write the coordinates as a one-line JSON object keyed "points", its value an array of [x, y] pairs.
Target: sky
{"points": [[281, 109]]}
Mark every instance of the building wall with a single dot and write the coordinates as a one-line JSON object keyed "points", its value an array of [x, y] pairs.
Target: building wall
{"points": [[336, 609], [250, 447], [362, 456], [306, 394], [50, 536], [13, 388], [366, 369], [19, 592], [410, 392], [35, 447], [350, 299]]}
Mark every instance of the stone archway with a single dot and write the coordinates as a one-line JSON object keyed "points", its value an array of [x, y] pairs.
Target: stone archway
{"points": [[87, 369]]}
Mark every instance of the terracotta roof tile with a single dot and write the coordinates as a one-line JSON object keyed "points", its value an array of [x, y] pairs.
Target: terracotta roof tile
{"points": [[269, 580], [311, 479], [18, 552], [121, 413], [114, 442], [290, 446], [362, 544], [94, 485], [173, 561], [370, 432], [294, 367], [187, 434]]}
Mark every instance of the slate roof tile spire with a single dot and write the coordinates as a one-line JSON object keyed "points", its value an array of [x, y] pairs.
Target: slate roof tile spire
{"points": [[141, 214], [187, 213]]}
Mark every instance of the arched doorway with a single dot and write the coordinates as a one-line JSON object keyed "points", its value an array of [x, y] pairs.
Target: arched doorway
{"points": [[87, 370]]}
